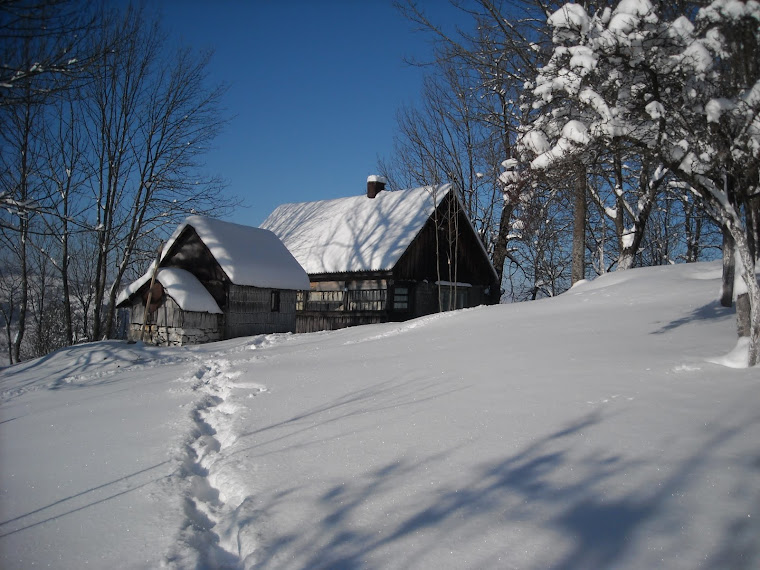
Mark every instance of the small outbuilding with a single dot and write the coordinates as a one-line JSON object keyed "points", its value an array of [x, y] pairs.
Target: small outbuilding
{"points": [[385, 256], [215, 280]]}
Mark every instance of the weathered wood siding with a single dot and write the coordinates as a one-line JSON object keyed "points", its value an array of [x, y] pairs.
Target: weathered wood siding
{"points": [[333, 304], [409, 290], [314, 321], [249, 311], [169, 325], [466, 262]]}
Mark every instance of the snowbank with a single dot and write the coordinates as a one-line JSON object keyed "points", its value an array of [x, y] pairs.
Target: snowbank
{"points": [[585, 431]]}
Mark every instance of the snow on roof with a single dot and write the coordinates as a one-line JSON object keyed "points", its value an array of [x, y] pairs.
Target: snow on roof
{"points": [[133, 287], [180, 285], [249, 256], [186, 290], [355, 233]]}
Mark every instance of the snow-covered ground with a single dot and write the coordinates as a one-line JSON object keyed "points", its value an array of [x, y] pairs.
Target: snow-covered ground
{"points": [[587, 431]]}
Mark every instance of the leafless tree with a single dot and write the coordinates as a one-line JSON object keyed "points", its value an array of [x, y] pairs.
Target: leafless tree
{"points": [[103, 130], [149, 117]]}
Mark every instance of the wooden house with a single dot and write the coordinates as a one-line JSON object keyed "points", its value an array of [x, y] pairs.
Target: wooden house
{"points": [[216, 280], [386, 256]]}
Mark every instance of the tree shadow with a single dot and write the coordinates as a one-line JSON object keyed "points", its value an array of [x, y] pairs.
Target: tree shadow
{"points": [[84, 365], [83, 500], [386, 395], [711, 311], [570, 494], [740, 548]]}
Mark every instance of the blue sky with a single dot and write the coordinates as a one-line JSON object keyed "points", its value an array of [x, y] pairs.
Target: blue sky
{"points": [[314, 90]]}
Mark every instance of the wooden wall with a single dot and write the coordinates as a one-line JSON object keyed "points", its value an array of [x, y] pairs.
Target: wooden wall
{"points": [[314, 321], [420, 261], [171, 326], [249, 311]]}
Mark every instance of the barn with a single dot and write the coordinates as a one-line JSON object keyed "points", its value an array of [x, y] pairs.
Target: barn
{"points": [[215, 280], [384, 256]]}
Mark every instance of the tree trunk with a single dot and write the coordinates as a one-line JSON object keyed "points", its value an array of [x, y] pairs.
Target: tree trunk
{"points": [[748, 314], [578, 271], [727, 284], [500, 246]]}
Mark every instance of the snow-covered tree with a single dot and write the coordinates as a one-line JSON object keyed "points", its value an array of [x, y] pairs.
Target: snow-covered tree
{"points": [[584, 97], [682, 93]]}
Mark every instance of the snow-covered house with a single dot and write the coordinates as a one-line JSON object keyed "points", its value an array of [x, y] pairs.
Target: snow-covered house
{"points": [[386, 256], [216, 280]]}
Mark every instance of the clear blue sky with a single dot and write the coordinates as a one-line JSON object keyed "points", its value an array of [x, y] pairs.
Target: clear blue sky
{"points": [[314, 90]]}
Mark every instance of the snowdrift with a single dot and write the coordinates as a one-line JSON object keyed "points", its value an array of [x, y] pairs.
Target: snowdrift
{"points": [[597, 429]]}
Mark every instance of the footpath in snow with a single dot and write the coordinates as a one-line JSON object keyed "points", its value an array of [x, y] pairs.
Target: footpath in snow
{"points": [[603, 428]]}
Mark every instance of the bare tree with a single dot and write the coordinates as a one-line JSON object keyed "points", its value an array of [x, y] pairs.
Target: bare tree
{"points": [[20, 188], [103, 130], [149, 117], [41, 47], [470, 113], [10, 293]]}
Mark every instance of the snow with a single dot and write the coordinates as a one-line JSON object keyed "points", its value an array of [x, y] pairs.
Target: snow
{"points": [[249, 256], [582, 57], [187, 291], [589, 430], [355, 233], [377, 178], [697, 58], [575, 131], [535, 140], [716, 107], [655, 109], [732, 10], [133, 287], [627, 16], [681, 28], [453, 284], [180, 285], [571, 17]]}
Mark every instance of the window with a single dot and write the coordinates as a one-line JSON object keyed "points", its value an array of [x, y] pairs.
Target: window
{"points": [[401, 298], [453, 297], [366, 299], [275, 301]]}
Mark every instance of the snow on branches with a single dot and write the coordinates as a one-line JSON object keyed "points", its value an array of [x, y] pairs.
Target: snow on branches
{"points": [[682, 93]]}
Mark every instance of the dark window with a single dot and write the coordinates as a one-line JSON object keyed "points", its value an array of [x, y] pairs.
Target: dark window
{"points": [[366, 299], [453, 298], [401, 298], [275, 301]]}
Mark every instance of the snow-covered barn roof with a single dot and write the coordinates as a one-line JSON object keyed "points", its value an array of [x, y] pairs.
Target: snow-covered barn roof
{"points": [[180, 285], [355, 233], [248, 256], [186, 290]]}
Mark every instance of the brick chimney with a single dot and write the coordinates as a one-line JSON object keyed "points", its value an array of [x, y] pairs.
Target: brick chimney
{"points": [[375, 184]]}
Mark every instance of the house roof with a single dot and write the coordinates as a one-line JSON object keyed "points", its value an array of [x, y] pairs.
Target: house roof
{"points": [[186, 290], [248, 256], [355, 233]]}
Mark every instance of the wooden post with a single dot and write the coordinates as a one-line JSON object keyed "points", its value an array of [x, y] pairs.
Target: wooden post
{"points": [[150, 292]]}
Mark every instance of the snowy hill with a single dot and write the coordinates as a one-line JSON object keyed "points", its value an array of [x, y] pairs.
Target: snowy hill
{"points": [[593, 430]]}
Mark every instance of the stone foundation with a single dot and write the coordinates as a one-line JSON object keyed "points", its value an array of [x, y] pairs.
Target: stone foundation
{"points": [[162, 335]]}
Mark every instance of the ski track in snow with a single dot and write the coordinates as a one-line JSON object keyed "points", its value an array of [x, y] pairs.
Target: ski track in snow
{"points": [[217, 530]]}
